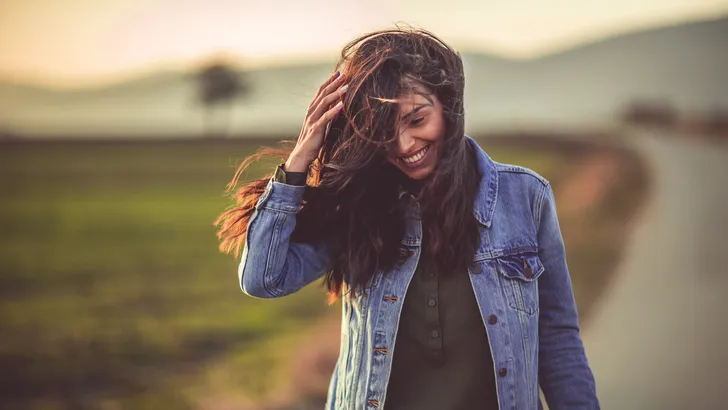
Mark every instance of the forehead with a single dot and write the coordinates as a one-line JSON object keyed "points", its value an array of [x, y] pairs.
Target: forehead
{"points": [[414, 94], [406, 100]]}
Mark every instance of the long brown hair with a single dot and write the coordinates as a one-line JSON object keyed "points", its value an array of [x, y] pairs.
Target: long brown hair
{"points": [[351, 198]]}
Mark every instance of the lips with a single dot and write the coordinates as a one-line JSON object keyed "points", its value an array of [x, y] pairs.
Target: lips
{"points": [[417, 156]]}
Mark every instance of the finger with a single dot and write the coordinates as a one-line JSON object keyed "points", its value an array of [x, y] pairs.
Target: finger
{"points": [[330, 80], [325, 91], [328, 116], [336, 75], [327, 101]]}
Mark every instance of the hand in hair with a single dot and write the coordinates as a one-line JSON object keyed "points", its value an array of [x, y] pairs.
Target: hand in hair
{"points": [[319, 115]]}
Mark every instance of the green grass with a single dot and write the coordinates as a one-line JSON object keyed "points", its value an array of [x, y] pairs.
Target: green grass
{"points": [[112, 289]]}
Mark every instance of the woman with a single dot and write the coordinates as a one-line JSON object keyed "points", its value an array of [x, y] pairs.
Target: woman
{"points": [[427, 241]]}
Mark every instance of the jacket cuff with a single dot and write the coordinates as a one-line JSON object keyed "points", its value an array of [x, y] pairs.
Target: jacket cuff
{"points": [[281, 197]]}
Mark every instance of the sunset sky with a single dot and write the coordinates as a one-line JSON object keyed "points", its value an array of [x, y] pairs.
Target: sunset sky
{"points": [[70, 43]]}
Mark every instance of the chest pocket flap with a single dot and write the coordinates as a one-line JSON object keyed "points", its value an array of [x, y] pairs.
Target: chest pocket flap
{"points": [[519, 274]]}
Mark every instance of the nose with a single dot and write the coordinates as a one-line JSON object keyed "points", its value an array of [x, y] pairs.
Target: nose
{"points": [[405, 142]]}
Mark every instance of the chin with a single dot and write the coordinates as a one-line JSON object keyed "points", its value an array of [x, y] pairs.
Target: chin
{"points": [[417, 174]]}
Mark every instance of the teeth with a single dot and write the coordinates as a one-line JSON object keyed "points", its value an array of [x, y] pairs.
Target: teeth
{"points": [[418, 156]]}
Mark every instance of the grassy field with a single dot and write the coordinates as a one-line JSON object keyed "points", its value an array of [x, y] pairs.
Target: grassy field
{"points": [[113, 293]]}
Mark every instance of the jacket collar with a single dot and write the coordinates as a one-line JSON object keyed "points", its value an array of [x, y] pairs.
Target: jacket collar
{"points": [[485, 198], [487, 193]]}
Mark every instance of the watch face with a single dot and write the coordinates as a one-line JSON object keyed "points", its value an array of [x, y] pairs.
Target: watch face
{"points": [[280, 176]]}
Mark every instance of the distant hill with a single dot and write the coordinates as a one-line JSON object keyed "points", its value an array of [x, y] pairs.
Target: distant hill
{"points": [[686, 65]]}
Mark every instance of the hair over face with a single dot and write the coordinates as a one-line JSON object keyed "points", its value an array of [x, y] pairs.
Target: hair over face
{"points": [[352, 199]]}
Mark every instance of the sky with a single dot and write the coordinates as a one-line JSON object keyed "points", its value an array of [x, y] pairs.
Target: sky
{"points": [[70, 43]]}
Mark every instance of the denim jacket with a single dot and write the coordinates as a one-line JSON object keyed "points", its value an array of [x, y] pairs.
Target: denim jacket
{"points": [[519, 276]]}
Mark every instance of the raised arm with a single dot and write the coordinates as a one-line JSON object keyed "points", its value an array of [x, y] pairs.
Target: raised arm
{"points": [[272, 265]]}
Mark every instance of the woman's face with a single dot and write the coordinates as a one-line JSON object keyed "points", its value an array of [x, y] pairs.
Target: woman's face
{"points": [[420, 132]]}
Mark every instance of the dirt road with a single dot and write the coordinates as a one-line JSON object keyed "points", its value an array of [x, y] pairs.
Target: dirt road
{"points": [[658, 339]]}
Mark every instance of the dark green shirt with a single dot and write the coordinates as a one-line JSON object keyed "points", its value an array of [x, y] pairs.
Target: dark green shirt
{"points": [[441, 359]]}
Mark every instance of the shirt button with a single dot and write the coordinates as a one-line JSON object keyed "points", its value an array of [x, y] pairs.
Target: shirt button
{"points": [[502, 372], [432, 303], [477, 268], [435, 334], [492, 319]]}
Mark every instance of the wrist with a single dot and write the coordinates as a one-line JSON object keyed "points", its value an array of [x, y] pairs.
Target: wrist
{"points": [[296, 163]]}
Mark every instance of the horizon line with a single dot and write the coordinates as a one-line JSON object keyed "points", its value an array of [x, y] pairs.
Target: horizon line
{"points": [[101, 81]]}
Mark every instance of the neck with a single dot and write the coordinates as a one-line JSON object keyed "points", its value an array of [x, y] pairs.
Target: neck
{"points": [[412, 185]]}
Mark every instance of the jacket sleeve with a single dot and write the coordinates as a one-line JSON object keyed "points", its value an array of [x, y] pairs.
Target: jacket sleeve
{"points": [[271, 265], [564, 373]]}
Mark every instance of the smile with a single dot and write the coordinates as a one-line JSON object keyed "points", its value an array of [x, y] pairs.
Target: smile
{"points": [[415, 158]]}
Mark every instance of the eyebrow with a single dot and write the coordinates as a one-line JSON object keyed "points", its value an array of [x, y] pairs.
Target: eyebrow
{"points": [[413, 112]]}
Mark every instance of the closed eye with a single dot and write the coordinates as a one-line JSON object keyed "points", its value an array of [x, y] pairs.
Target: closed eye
{"points": [[417, 121]]}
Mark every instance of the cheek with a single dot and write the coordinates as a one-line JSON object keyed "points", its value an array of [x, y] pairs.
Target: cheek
{"points": [[436, 130]]}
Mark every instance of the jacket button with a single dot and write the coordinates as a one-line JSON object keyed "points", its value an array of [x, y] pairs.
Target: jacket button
{"points": [[435, 334], [431, 303], [527, 269], [502, 372], [492, 319], [477, 268]]}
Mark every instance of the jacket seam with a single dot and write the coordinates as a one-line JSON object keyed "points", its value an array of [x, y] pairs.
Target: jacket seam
{"points": [[246, 249], [539, 206], [514, 169], [281, 207], [267, 279]]}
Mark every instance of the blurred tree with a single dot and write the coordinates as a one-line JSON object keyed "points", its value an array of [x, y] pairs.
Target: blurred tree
{"points": [[654, 113], [219, 85], [717, 122]]}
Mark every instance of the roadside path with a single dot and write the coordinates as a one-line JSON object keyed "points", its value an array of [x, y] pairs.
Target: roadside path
{"points": [[658, 339]]}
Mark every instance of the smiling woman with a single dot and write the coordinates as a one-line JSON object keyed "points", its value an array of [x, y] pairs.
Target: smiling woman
{"points": [[399, 92], [428, 242], [421, 130]]}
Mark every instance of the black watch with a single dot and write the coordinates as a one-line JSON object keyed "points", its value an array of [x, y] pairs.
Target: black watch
{"points": [[289, 178]]}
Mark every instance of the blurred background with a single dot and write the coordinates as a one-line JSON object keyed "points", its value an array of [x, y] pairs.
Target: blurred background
{"points": [[121, 123]]}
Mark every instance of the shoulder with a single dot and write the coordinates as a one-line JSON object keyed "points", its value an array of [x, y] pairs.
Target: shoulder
{"points": [[517, 174], [520, 189]]}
